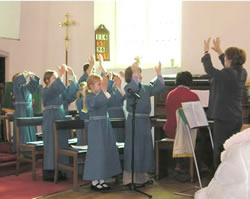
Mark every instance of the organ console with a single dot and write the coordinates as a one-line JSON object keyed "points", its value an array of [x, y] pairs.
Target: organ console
{"points": [[200, 82]]}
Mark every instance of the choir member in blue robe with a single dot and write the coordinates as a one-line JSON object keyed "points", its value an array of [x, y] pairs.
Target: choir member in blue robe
{"points": [[102, 160], [143, 143], [53, 96], [115, 107], [24, 84]]}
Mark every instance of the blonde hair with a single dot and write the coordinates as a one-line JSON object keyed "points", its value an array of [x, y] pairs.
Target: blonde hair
{"points": [[85, 89], [93, 78], [83, 93]]}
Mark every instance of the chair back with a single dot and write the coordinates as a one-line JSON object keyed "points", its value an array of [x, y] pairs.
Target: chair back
{"points": [[117, 122], [28, 121], [67, 126], [25, 122], [70, 125]]}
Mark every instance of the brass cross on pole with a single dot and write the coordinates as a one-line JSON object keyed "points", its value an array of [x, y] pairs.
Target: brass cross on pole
{"points": [[66, 23]]}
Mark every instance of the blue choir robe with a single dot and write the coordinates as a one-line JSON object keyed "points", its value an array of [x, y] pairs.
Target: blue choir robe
{"points": [[23, 106], [83, 78], [53, 99], [102, 159], [115, 110], [143, 143]]}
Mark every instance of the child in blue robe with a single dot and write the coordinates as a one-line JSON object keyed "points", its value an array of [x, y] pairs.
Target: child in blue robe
{"points": [[24, 84], [115, 107], [143, 143], [53, 96], [102, 160]]}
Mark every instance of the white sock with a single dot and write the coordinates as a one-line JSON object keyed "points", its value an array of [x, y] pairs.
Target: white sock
{"points": [[102, 183], [94, 182]]}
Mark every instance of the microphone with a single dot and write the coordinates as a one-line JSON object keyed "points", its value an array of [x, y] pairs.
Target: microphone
{"points": [[136, 95]]}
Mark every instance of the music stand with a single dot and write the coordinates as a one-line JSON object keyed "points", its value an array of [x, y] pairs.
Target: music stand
{"points": [[194, 116], [1, 123]]}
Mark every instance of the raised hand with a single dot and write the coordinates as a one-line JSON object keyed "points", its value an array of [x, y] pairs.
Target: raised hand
{"points": [[61, 70], [207, 45], [70, 71], [100, 59], [135, 69], [91, 60], [110, 75], [117, 82], [216, 47], [104, 83], [122, 74], [158, 69]]}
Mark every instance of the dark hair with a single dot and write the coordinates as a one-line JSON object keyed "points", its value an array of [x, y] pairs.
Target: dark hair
{"points": [[184, 78], [85, 67], [236, 55], [129, 73], [47, 75]]}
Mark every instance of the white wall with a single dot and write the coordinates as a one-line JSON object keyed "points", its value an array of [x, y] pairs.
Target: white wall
{"points": [[200, 20], [227, 20], [41, 44]]}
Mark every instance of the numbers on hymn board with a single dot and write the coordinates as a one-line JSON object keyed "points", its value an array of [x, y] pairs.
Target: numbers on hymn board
{"points": [[102, 42], [101, 37]]}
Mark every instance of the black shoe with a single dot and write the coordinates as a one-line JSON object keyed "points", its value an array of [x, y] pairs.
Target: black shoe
{"points": [[97, 187], [48, 175], [62, 176], [105, 186]]}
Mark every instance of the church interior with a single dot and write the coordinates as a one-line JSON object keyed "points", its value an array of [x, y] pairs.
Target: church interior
{"points": [[163, 38]]}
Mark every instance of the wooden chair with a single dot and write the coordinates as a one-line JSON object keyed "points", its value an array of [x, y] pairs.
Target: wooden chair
{"points": [[163, 144], [10, 121], [74, 154], [30, 151], [167, 144]]}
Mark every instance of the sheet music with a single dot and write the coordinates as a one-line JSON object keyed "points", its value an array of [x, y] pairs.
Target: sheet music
{"points": [[161, 120], [82, 147], [36, 142], [195, 114], [85, 147], [203, 96]]}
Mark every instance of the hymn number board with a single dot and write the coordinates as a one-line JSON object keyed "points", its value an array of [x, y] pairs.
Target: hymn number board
{"points": [[102, 42]]}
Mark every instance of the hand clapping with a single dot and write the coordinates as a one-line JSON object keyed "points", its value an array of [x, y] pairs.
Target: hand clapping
{"points": [[158, 69], [104, 83]]}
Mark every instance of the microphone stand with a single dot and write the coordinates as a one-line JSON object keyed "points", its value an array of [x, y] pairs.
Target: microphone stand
{"points": [[1, 133], [132, 185]]}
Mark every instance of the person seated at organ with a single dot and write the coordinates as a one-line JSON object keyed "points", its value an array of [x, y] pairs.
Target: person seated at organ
{"points": [[180, 94]]}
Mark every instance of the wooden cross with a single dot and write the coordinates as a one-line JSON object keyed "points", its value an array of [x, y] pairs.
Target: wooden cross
{"points": [[66, 23]]}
